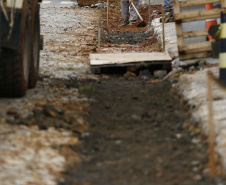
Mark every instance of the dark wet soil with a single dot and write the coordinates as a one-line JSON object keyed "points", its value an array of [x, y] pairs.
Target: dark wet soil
{"points": [[130, 34], [138, 136], [129, 37]]}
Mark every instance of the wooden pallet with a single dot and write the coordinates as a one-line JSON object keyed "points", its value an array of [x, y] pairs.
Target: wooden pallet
{"points": [[103, 61], [196, 49]]}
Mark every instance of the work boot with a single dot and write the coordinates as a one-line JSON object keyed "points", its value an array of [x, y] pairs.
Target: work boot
{"points": [[132, 23], [124, 23]]}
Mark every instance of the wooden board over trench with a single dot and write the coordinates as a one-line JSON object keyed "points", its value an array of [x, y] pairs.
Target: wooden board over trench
{"points": [[127, 58]]}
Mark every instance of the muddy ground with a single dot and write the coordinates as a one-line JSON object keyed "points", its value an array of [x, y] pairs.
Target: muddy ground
{"points": [[139, 136], [140, 132], [78, 128]]}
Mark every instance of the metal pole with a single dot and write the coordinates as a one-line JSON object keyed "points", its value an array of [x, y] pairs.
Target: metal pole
{"points": [[222, 56]]}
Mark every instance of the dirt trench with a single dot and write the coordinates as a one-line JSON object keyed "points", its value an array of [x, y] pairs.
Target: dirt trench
{"points": [[140, 133], [139, 136], [131, 131]]}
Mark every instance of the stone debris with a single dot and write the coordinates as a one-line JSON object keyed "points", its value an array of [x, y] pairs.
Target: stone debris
{"points": [[31, 156], [130, 75], [160, 73], [65, 53]]}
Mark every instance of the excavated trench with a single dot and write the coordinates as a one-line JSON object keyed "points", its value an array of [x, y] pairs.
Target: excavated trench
{"points": [[127, 37], [136, 131], [140, 133]]}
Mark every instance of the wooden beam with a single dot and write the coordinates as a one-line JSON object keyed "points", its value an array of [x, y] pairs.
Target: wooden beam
{"points": [[197, 2], [195, 47], [223, 3], [123, 58], [198, 15], [180, 40], [195, 55], [195, 33], [201, 18]]}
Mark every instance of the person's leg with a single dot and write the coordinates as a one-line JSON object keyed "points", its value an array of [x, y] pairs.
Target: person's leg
{"points": [[125, 10], [133, 13], [168, 4], [217, 5]]}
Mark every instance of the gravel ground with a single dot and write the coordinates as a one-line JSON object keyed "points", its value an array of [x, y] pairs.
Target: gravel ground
{"points": [[54, 130], [38, 130]]}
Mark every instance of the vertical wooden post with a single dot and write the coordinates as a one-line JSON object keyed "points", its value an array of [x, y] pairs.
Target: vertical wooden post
{"points": [[212, 163], [223, 3], [107, 14], [149, 12], [99, 30], [163, 26], [180, 39]]}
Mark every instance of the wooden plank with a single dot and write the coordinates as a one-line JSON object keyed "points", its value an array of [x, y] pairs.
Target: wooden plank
{"points": [[201, 18], [180, 40], [198, 15], [200, 49], [195, 33], [195, 55], [197, 2], [223, 3], [195, 47], [120, 58]]}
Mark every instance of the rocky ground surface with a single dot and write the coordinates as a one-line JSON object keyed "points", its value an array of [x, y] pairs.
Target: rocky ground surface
{"points": [[39, 130], [78, 128]]}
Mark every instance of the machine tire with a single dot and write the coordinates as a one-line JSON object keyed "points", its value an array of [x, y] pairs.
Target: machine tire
{"points": [[35, 44], [14, 64]]}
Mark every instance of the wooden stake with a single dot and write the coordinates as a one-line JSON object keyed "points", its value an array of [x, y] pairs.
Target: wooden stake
{"points": [[107, 14], [149, 12], [212, 163], [99, 30], [163, 28]]}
